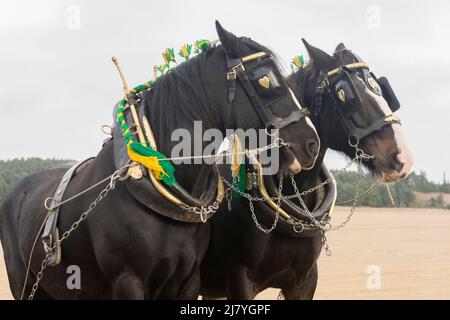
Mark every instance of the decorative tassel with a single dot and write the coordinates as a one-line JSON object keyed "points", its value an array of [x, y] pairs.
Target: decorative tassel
{"points": [[201, 46], [168, 56], [149, 158], [297, 62], [235, 163], [239, 182], [185, 51], [238, 170]]}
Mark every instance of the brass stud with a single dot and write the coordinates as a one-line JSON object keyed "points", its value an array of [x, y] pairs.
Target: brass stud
{"points": [[373, 84], [135, 172], [392, 118], [264, 82], [341, 95]]}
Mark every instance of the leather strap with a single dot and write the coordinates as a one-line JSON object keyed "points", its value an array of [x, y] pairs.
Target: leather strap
{"points": [[50, 234]]}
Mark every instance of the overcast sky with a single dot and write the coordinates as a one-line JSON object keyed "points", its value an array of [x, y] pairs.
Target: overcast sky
{"points": [[58, 85]]}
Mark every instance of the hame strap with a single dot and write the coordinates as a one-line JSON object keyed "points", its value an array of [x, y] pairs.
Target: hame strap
{"points": [[148, 157], [138, 152]]}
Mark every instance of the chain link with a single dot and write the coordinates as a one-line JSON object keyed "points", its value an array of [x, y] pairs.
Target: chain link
{"points": [[44, 264], [299, 226], [277, 213], [203, 212]]}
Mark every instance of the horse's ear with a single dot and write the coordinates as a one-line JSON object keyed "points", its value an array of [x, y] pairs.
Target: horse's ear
{"points": [[319, 59], [229, 41], [340, 47]]}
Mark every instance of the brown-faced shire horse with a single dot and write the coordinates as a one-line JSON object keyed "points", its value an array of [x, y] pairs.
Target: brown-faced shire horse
{"points": [[126, 249], [347, 104]]}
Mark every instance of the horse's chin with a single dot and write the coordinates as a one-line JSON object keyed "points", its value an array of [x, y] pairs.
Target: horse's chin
{"points": [[385, 175], [392, 176]]}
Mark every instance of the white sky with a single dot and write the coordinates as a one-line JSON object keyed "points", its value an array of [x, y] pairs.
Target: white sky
{"points": [[58, 85]]}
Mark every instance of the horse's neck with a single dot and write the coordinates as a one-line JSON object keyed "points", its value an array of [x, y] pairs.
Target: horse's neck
{"points": [[193, 174]]}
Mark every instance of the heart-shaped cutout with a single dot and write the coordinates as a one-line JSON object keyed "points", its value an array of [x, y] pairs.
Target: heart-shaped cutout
{"points": [[264, 82]]}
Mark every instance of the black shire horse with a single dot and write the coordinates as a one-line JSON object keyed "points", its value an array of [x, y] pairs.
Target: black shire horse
{"points": [[242, 261], [126, 250]]}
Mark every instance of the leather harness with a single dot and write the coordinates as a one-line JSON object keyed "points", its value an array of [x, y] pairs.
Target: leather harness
{"points": [[51, 233], [329, 85], [144, 190]]}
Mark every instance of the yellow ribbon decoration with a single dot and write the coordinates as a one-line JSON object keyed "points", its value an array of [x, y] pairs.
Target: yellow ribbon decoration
{"points": [[151, 163], [235, 157]]}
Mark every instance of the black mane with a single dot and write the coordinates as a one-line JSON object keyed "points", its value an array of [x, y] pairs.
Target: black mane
{"points": [[305, 78], [181, 96]]}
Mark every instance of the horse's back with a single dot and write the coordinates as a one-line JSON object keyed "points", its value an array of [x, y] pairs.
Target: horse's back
{"points": [[21, 215]]}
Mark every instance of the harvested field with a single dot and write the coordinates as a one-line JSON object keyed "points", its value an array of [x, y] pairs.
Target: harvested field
{"points": [[410, 248]]}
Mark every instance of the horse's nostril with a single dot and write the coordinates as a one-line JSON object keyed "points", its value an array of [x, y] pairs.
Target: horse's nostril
{"points": [[312, 147], [397, 164]]}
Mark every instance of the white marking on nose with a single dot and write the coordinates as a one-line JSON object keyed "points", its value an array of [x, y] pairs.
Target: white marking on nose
{"points": [[295, 167], [405, 156]]}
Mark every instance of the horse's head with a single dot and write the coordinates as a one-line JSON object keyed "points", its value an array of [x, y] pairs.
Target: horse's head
{"points": [[352, 107], [254, 94]]}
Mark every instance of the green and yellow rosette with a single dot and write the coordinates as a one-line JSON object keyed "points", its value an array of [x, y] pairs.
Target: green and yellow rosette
{"points": [[185, 51], [297, 62]]}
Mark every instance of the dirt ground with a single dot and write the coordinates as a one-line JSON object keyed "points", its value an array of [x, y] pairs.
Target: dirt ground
{"points": [[380, 254]]}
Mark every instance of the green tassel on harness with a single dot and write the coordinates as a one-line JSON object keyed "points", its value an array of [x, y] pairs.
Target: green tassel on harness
{"points": [[150, 158], [147, 156], [239, 182]]}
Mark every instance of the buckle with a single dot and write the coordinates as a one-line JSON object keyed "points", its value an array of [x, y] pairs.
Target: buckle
{"points": [[232, 74], [392, 118]]}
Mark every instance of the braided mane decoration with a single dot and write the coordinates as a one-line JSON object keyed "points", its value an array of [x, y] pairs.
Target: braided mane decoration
{"points": [[138, 152], [297, 62]]}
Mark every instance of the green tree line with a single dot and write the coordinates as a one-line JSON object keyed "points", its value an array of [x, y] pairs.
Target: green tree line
{"points": [[402, 191], [11, 171]]}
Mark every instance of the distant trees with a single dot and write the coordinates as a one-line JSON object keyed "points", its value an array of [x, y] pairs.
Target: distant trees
{"points": [[402, 191], [11, 171], [419, 182]]}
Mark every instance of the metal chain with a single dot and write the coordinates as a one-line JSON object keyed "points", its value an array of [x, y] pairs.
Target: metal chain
{"points": [[322, 224], [203, 212], [325, 225], [277, 213], [299, 226], [44, 264]]}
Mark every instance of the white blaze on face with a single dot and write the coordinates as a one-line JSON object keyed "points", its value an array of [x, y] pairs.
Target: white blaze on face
{"points": [[296, 167], [308, 120], [405, 155]]}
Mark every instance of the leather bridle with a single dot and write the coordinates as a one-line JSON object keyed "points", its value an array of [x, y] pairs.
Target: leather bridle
{"points": [[256, 80], [337, 84]]}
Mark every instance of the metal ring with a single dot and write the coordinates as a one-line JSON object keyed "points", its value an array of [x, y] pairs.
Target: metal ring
{"points": [[271, 135], [295, 227], [351, 144], [106, 126], [359, 153], [327, 227], [46, 204]]}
